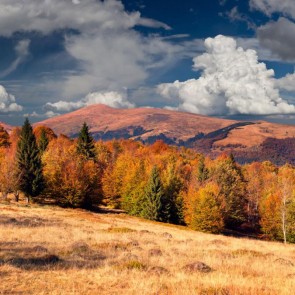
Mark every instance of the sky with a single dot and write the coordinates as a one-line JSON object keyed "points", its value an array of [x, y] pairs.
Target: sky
{"points": [[225, 58]]}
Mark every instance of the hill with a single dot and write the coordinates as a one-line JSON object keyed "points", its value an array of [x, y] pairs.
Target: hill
{"points": [[248, 141], [47, 250]]}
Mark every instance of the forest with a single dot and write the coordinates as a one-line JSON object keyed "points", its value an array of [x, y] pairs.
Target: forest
{"points": [[156, 182]]}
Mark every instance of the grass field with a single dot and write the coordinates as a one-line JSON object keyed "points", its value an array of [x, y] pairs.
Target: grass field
{"points": [[48, 250]]}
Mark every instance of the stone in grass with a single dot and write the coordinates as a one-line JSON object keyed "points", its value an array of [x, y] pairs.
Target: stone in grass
{"points": [[155, 252], [158, 270], [167, 235], [197, 267], [80, 247]]}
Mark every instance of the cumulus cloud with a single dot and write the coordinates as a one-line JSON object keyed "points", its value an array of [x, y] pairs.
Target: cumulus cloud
{"points": [[232, 82], [22, 52], [287, 83], [279, 37], [7, 102], [111, 98]]}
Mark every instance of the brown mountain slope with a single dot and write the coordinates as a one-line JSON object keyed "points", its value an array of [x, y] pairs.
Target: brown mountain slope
{"points": [[246, 140], [152, 121]]}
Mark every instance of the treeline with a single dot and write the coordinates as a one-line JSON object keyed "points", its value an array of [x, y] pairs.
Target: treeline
{"points": [[157, 182]]}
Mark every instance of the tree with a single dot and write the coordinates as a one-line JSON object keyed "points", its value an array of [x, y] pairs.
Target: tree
{"points": [[229, 178], [71, 180], [85, 144], [153, 197], [29, 163], [4, 138], [207, 215], [43, 141]]}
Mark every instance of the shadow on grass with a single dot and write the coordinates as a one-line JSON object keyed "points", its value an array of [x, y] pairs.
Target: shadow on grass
{"points": [[28, 222], [39, 258]]}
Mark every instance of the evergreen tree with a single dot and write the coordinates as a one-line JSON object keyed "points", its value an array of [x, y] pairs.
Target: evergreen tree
{"points": [[85, 144], [152, 207], [229, 177], [173, 201], [203, 173], [29, 163], [43, 141]]}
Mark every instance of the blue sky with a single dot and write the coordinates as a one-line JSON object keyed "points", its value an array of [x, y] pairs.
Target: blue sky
{"points": [[232, 59]]}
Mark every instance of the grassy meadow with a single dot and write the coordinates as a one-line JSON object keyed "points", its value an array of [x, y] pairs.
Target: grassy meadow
{"points": [[49, 250]]}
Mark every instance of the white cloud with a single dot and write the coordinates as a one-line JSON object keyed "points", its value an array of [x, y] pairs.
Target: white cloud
{"points": [[286, 7], [287, 83], [111, 98], [232, 82], [22, 52], [7, 102], [48, 114], [109, 53]]}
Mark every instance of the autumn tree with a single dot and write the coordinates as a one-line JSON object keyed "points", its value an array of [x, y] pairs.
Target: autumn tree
{"points": [[85, 143], [71, 180], [29, 163], [207, 215], [153, 200], [4, 137]]}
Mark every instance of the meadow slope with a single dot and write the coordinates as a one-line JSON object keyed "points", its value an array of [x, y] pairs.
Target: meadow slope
{"points": [[48, 250]]}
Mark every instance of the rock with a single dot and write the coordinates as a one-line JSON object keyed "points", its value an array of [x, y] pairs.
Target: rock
{"points": [[158, 270], [155, 252], [197, 267], [79, 247], [167, 235]]}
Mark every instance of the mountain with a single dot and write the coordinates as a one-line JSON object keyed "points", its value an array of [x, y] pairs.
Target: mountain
{"points": [[248, 141]]}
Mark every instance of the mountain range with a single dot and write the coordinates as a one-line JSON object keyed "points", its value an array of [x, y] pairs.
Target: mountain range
{"points": [[247, 140]]}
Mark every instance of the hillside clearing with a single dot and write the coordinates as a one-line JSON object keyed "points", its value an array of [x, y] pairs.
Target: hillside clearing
{"points": [[48, 250]]}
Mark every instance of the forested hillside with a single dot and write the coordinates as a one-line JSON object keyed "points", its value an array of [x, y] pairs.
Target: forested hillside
{"points": [[156, 182]]}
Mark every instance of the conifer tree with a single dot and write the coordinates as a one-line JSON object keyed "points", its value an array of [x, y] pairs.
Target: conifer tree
{"points": [[43, 141], [85, 144], [29, 163], [153, 197]]}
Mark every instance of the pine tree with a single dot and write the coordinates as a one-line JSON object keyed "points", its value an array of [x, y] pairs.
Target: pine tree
{"points": [[203, 173], [152, 207], [85, 144], [29, 163], [43, 141]]}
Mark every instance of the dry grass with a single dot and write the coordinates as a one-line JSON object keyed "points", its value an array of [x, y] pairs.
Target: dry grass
{"points": [[46, 250]]}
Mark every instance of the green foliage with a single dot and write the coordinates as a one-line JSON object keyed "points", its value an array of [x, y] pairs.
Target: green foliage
{"points": [[43, 141], [229, 177], [203, 172], [29, 162], [153, 200], [173, 201], [207, 214], [85, 144]]}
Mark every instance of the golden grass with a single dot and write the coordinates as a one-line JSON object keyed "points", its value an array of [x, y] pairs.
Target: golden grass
{"points": [[47, 250]]}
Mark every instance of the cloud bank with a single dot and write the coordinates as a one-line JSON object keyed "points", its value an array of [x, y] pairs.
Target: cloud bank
{"points": [[7, 102], [232, 82], [112, 99], [100, 36]]}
